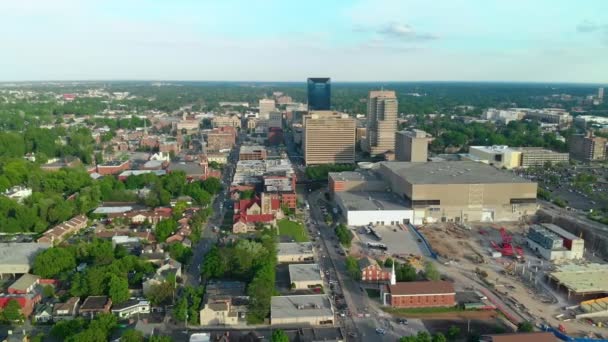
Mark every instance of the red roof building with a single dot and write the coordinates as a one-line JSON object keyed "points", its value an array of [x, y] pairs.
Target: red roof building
{"points": [[256, 210]]}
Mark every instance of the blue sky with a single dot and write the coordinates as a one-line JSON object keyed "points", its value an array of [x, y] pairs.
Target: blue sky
{"points": [[289, 40]]}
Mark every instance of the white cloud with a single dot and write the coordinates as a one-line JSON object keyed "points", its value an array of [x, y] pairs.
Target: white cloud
{"points": [[405, 32]]}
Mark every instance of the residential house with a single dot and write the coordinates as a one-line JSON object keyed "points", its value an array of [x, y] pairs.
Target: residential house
{"points": [[95, 305], [43, 313], [61, 231], [169, 267], [372, 272], [67, 310], [131, 308], [225, 303]]}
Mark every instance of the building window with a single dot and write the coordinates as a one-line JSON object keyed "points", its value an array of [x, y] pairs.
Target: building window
{"points": [[425, 203]]}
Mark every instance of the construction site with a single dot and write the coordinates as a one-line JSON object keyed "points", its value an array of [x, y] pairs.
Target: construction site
{"points": [[532, 272]]}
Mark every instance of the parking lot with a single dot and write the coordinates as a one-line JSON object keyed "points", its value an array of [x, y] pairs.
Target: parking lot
{"points": [[399, 240]]}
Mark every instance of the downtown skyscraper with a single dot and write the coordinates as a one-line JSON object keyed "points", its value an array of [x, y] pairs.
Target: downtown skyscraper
{"points": [[381, 122], [319, 93]]}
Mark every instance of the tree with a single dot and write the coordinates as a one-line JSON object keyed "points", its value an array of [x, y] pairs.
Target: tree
{"points": [[132, 335], [247, 194], [161, 294], [51, 262], [213, 266], [179, 208], [212, 185], [352, 267], [158, 338], [48, 291], [180, 252], [12, 312], [430, 271], [279, 336], [345, 236], [453, 333], [388, 262], [180, 311], [118, 289], [64, 329], [405, 272], [525, 326], [439, 337], [423, 336], [164, 229]]}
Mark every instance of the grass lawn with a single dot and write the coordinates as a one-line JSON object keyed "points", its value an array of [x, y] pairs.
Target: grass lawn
{"points": [[295, 230], [423, 310]]}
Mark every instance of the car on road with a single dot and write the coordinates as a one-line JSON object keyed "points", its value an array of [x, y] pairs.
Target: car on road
{"points": [[380, 331], [402, 321]]}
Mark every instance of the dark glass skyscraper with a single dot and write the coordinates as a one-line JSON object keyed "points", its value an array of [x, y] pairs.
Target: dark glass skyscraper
{"points": [[319, 93]]}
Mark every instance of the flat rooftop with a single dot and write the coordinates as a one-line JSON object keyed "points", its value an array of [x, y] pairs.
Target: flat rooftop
{"points": [[359, 175], [371, 200], [305, 272], [295, 248], [20, 253], [583, 279], [451, 172], [560, 231], [251, 148], [300, 306]]}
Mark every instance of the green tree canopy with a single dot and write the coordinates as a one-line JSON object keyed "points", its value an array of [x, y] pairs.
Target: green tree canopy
{"points": [[53, 261]]}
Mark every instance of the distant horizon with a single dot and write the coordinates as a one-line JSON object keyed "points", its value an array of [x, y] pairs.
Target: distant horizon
{"points": [[304, 81]]}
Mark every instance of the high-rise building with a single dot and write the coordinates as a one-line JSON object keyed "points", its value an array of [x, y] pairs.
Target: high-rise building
{"points": [[266, 106], [587, 147], [412, 146], [381, 121], [319, 93], [328, 138], [600, 93], [275, 119]]}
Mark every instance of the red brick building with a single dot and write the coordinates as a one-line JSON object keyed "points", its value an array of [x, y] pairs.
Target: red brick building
{"points": [[275, 136], [248, 212], [420, 294], [221, 138], [113, 167], [372, 272], [26, 302], [284, 187]]}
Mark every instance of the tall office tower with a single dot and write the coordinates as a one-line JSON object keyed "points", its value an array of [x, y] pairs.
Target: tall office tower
{"points": [[381, 121], [328, 138], [412, 146], [266, 106], [319, 93], [600, 93], [587, 147]]}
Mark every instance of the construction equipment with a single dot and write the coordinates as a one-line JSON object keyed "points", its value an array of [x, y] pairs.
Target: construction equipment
{"points": [[506, 246]]}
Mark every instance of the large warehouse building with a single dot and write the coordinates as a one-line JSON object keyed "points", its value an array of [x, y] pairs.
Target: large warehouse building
{"points": [[305, 309], [455, 191], [17, 258]]}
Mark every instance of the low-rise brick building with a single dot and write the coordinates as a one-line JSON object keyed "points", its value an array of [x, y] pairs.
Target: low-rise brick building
{"points": [[372, 272], [113, 167], [419, 294]]}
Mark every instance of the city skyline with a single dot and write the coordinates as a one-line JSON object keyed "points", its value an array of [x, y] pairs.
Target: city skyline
{"points": [[518, 41]]}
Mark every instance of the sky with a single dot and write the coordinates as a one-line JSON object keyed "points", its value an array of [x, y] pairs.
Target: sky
{"points": [[290, 40]]}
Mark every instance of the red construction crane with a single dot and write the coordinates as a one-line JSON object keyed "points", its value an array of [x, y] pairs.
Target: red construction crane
{"points": [[506, 247]]}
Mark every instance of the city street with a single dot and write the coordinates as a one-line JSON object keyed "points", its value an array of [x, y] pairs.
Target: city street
{"points": [[208, 236], [365, 316]]}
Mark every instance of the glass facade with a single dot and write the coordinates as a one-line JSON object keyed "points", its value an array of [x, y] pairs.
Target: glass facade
{"points": [[319, 93]]}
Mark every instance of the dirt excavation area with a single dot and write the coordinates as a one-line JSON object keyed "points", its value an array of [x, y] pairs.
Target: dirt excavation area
{"points": [[469, 256]]}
